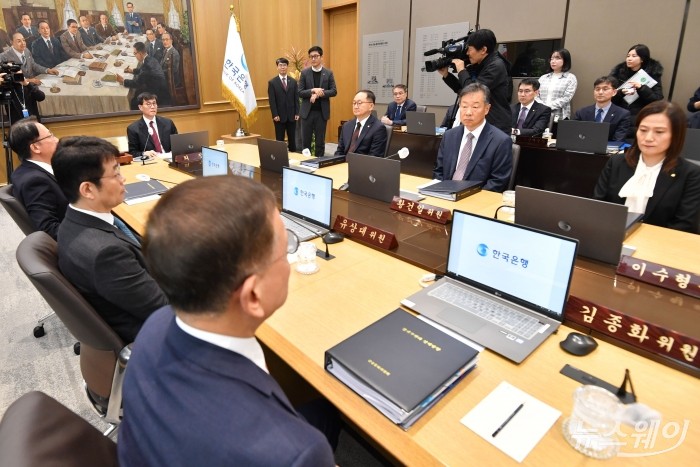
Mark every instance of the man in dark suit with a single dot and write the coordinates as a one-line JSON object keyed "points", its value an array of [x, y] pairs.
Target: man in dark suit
{"points": [[47, 50], [97, 253], [104, 29], [364, 134], [88, 33], [33, 183], [148, 77], [27, 30], [477, 150], [134, 23], [149, 136], [604, 88], [529, 117], [19, 53], [72, 43], [284, 104], [154, 46], [202, 348], [316, 87], [396, 111], [170, 63]]}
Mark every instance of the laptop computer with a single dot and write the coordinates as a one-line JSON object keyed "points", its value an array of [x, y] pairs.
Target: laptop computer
{"points": [[376, 178], [306, 203], [420, 123], [187, 143], [496, 269], [591, 137], [691, 147], [599, 226], [274, 155]]}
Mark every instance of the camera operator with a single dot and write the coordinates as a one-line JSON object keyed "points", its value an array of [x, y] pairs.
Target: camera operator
{"points": [[489, 68], [23, 96]]}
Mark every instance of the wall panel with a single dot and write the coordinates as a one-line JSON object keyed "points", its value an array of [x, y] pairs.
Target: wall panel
{"points": [[520, 21]]}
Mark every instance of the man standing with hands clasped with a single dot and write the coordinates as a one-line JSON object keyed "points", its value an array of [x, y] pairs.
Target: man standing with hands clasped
{"points": [[316, 87], [284, 104]]}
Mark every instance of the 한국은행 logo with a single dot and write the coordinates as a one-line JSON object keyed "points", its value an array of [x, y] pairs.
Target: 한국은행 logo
{"points": [[482, 249]]}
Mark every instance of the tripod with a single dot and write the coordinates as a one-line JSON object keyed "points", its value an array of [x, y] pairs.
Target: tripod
{"points": [[5, 97]]}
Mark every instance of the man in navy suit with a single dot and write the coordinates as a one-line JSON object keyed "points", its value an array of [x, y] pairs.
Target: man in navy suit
{"points": [[148, 77], [134, 23], [477, 150], [88, 33], [33, 183], [149, 136], [604, 88], [97, 252], [198, 390], [529, 117], [316, 87], [364, 134], [396, 111], [284, 103], [47, 50], [27, 30]]}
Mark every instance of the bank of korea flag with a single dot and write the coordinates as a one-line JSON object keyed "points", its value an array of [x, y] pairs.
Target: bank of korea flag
{"points": [[236, 85]]}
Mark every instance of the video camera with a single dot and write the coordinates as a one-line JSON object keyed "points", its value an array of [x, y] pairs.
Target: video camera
{"points": [[12, 74], [451, 48]]}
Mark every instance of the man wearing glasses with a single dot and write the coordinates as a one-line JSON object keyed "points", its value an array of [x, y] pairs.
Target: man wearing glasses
{"points": [[396, 111], [148, 77], [316, 87], [364, 134], [33, 182], [604, 88], [97, 252], [150, 136], [529, 117], [196, 366]]}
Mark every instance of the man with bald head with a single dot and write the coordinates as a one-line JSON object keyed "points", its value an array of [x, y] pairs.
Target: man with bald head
{"points": [[20, 54]]}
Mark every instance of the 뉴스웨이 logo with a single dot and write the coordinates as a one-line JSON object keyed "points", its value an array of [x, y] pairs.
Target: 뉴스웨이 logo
{"points": [[482, 249]]}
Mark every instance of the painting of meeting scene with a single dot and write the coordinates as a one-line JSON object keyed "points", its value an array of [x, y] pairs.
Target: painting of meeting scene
{"points": [[91, 58]]}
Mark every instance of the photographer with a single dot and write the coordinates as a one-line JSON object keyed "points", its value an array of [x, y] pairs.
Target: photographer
{"points": [[22, 94], [489, 68]]}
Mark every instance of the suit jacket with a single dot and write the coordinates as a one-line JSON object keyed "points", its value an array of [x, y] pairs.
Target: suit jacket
{"points": [[155, 49], [130, 18], [33, 31], [491, 161], [676, 200], [73, 48], [171, 56], [619, 119], [536, 121], [90, 37], [400, 119], [283, 103], [372, 139], [30, 67], [139, 138], [149, 77], [306, 83], [41, 196], [105, 31], [229, 410], [48, 58], [108, 269], [29, 96]]}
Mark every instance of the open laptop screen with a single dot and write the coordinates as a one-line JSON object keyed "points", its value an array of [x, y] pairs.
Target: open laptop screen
{"points": [[307, 196], [214, 162], [515, 262]]}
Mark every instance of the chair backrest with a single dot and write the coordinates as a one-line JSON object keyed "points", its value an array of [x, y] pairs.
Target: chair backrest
{"points": [[516, 159], [15, 209], [37, 430], [389, 132], [421, 108], [121, 143]]}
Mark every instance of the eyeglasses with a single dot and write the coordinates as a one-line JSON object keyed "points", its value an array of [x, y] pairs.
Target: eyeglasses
{"points": [[399, 93], [50, 135], [116, 175], [314, 56], [292, 242], [150, 104], [525, 91], [359, 103]]}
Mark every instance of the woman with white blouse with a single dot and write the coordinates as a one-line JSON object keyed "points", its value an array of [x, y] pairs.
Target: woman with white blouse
{"points": [[557, 87]]}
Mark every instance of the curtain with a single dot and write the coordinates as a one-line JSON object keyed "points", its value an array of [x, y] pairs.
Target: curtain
{"points": [[60, 5], [178, 7], [111, 4]]}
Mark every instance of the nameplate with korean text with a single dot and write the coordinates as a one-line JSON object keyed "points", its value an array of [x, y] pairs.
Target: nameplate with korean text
{"points": [[425, 211], [365, 233], [676, 280]]}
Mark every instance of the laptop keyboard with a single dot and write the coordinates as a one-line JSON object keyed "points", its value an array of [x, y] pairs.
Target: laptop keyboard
{"points": [[302, 232], [496, 313]]}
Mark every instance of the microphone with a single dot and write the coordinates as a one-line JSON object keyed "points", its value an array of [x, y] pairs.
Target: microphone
{"points": [[431, 52], [403, 154], [150, 133]]}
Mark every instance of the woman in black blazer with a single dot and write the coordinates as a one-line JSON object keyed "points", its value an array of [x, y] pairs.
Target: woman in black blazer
{"points": [[652, 177]]}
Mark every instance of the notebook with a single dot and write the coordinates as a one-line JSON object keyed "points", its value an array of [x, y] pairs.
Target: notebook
{"points": [[376, 178], [591, 137], [187, 143], [274, 155], [599, 226], [691, 147], [420, 123], [494, 270], [306, 203]]}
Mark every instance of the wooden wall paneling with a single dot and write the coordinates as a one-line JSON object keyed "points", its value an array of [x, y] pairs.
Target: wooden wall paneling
{"points": [[522, 21]]}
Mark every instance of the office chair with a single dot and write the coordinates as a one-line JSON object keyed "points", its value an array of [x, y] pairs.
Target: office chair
{"points": [[37, 431], [120, 142], [421, 108], [516, 159], [389, 131], [103, 355]]}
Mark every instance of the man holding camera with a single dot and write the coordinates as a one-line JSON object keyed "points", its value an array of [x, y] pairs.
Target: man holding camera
{"points": [[489, 68]]}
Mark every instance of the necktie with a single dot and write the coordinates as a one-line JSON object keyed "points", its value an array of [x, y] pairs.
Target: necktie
{"points": [[599, 116], [521, 118], [118, 223], [464, 158], [397, 115], [49, 45], [156, 139], [284, 83], [22, 59], [353, 140]]}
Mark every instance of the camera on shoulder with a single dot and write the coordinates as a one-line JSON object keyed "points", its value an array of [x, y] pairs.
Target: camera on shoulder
{"points": [[450, 49]]}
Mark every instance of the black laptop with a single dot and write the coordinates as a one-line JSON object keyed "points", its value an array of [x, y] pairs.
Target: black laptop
{"points": [[188, 143], [376, 178], [590, 137], [420, 123], [274, 155]]}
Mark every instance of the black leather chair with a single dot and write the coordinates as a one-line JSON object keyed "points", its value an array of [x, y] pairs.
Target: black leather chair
{"points": [[389, 132], [103, 355], [37, 431], [516, 159], [15, 209]]}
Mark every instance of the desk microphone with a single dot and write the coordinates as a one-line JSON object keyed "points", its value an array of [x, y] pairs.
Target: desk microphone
{"points": [[403, 154], [144, 157]]}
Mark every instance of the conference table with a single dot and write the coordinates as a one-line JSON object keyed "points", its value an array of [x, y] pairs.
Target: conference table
{"points": [[362, 284]]}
